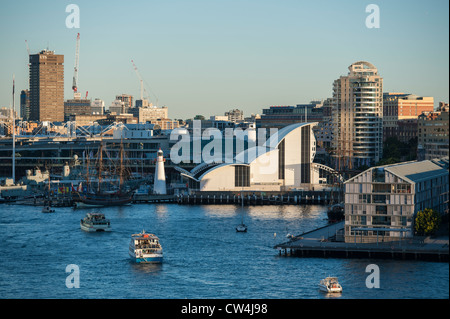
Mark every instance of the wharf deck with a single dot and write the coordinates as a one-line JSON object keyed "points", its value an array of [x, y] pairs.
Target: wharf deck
{"points": [[318, 243]]}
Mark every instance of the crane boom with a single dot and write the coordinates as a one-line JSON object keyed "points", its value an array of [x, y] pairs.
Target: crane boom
{"points": [[28, 50], [140, 79], [75, 73]]}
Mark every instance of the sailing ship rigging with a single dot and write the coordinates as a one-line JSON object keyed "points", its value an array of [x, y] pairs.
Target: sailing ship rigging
{"points": [[106, 193]]}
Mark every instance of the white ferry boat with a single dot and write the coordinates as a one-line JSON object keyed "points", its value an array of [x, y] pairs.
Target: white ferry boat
{"points": [[95, 222], [145, 248], [330, 284]]}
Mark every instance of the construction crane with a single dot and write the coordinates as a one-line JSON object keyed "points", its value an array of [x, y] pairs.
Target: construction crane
{"points": [[142, 84], [28, 50], [140, 79], [75, 72]]}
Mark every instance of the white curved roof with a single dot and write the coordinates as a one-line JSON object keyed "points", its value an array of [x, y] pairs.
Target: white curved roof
{"points": [[249, 155], [276, 139]]}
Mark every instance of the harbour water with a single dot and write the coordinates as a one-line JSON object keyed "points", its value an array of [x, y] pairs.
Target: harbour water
{"points": [[204, 257]]}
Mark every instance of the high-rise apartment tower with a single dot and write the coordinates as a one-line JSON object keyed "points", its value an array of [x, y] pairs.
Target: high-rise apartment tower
{"points": [[357, 111], [47, 86]]}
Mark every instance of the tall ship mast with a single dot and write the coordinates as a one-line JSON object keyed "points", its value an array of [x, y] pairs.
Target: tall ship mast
{"points": [[99, 197]]}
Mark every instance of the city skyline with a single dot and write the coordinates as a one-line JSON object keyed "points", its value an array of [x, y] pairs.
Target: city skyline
{"points": [[207, 57]]}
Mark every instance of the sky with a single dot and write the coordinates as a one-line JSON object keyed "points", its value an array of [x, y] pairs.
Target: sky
{"points": [[210, 56]]}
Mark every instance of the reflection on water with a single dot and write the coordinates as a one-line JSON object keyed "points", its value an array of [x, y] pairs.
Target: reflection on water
{"points": [[330, 295], [143, 268]]}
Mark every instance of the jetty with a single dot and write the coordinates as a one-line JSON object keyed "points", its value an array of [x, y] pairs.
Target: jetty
{"points": [[256, 198], [153, 198], [327, 242]]}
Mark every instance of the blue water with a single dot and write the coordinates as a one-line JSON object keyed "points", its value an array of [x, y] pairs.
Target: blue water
{"points": [[204, 257]]}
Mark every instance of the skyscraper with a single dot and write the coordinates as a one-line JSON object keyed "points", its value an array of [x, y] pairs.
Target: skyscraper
{"points": [[46, 86], [25, 104], [357, 111]]}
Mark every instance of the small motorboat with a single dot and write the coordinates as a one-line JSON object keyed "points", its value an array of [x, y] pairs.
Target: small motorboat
{"points": [[48, 209], [95, 222], [241, 228], [330, 284]]}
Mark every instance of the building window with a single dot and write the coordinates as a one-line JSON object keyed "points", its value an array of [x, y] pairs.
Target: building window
{"points": [[241, 176], [305, 158], [281, 160]]}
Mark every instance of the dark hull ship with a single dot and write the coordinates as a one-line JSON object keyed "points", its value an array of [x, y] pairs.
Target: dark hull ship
{"points": [[97, 197]]}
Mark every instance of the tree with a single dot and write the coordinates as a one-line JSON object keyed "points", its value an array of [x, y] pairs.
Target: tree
{"points": [[427, 222]]}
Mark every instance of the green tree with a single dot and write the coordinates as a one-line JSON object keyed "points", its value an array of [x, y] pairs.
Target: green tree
{"points": [[427, 222]]}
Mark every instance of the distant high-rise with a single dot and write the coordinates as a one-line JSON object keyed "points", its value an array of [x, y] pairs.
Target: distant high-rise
{"points": [[126, 99], [357, 113], [400, 112], [47, 86], [25, 104]]}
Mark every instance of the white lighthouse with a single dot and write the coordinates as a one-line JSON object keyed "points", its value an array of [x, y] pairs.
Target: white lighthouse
{"points": [[159, 186]]}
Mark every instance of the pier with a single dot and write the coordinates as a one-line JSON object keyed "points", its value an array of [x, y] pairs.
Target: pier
{"points": [[256, 198], [327, 242], [148, 199]]}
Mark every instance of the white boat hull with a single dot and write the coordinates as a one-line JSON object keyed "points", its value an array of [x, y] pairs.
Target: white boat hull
{"points": [[94, 228], [330, 290], [147, 258]]}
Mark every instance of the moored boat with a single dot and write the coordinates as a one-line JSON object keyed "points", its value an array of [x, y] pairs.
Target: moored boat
{"points": [[95, 222], [145, 248]]}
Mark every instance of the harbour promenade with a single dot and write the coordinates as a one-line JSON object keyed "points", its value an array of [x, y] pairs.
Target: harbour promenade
{"points": [[328, 241]]}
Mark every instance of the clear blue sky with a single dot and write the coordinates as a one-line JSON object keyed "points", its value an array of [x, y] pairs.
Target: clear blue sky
{"points": [[209, 56]]}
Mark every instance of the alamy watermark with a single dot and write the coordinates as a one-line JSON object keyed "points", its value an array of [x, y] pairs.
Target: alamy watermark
{"points": [[373, 19], [373, 280], [73, 19], [73, 279], [233, 145]]}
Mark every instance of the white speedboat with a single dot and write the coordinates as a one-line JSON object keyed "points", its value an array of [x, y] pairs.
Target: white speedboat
{"points": [[330, 284], [145, 248], [48, 209], [95, 222]]}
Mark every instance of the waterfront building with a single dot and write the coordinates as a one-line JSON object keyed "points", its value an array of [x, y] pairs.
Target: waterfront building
{"points": [[381, 203], [126, 99], [164, 124], [235, 115], [25, 104], [7, 113], [433, 132], [283, 163], [77, 107], [118, 107], [85, 120], [98, 107], [281, 116], [400, 114], [358, 116], [47, 86], [324, 131], [149, 113], [140, 147]]}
